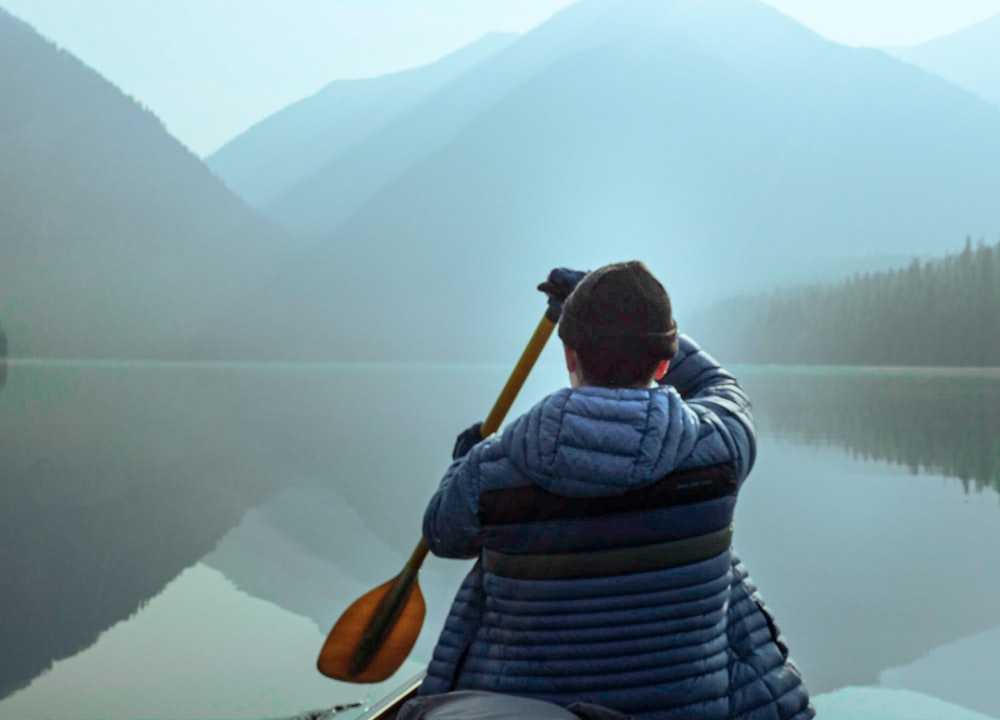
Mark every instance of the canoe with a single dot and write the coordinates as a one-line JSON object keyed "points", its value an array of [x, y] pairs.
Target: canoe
{"points": [[384, 709], [388, 706], [851, 703]]}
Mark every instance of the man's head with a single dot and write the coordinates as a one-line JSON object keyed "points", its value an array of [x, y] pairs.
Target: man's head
{"points": [[618, 327]]}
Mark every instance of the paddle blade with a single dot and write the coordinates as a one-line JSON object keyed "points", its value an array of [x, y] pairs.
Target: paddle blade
{"points": [[352, 654]]}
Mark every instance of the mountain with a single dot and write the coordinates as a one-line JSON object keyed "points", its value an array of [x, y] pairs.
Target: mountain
{"points": [[723, 143], [115, 241], [968, 58], [286, 148]]}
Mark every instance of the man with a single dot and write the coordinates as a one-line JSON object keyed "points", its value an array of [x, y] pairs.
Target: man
{"points": [[602, 521]]}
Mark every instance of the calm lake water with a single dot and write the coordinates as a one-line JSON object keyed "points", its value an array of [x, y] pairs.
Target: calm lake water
{"points": [[175, 540]]}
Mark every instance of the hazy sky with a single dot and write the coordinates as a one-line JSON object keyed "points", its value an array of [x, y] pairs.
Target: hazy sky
{"points": [[211, 68]]}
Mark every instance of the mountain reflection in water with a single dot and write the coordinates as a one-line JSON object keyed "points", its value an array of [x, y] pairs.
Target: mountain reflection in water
{"points": [[309, 483]]}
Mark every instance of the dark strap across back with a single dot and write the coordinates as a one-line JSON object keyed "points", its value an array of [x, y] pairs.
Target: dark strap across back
{"points": [[534, 504], [618, 561]]}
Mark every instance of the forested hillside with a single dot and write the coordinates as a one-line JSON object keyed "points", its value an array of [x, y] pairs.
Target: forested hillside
{"points": [[117, 242], [942, 312]]}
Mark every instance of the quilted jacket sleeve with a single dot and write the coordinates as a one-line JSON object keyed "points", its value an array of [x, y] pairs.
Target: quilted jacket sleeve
{"points": [[717, 398], [451, 521]]}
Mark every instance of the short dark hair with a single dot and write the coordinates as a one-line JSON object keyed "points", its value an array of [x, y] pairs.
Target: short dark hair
{"points": [[617, 363], [619, 322]]}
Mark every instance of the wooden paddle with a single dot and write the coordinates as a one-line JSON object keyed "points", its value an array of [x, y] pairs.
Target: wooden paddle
{"points": [[376, 633]]}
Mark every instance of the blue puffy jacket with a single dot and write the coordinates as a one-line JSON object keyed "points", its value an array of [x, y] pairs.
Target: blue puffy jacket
{"points": [[601, 521]]}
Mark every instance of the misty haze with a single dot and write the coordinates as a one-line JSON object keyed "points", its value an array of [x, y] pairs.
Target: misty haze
{"points": [[229, 385]]}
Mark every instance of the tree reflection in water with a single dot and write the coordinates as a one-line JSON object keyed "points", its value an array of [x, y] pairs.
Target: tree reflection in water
{"points": [[941, 421]]}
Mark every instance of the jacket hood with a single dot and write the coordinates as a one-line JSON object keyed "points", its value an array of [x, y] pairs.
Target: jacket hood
{"points": [[593, 441]]}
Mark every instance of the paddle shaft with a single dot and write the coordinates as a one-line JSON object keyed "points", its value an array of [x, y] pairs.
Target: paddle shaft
{"points": [[518, 375], [392, 604]]}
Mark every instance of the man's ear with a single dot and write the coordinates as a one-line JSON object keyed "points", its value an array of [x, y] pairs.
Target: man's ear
{"points": [[661, 369], [572, 361]]}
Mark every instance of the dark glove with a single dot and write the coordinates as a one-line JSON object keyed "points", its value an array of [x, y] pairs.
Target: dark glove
{"points": [[466, 439], [558, 286]]}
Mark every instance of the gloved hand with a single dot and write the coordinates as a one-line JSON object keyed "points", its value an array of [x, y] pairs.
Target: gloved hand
{"points": [[558, 286], [466, 439]]}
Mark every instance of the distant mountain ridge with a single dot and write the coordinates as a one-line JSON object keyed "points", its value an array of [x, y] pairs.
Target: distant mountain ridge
{"points": [[969, 58], [285, 149], [331, 195], [725, 144]]}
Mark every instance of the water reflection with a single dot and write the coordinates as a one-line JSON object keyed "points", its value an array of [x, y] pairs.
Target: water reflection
{"points": [[308, 550], [230, 655], [938, 421], [866, 566], [114, 480], [876, 566], [117, 477], [305, 487], [965, 669]]}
